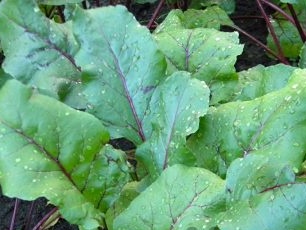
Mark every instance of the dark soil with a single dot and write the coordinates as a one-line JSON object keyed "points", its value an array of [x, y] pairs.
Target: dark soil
{"points": [[251, 56]]}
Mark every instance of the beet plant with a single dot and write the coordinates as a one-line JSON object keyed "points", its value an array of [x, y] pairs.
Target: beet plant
{"points": [[214, 148]]}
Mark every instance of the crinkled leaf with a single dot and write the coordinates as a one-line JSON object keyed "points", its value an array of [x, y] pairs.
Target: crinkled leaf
{"points": [[38, 51], [122, 65], [260, 80], [181, 198], [48, 149], [283, 207], [227, 5], [174, 110], [58, 2], [211, 17], [302, 63], [272, 123], [208, 54], [256, 173]]}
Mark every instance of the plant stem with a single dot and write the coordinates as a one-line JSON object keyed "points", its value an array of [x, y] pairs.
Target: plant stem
{"points": [[97, 3], [156, 12], [45, 218], [266, 48], [280, 54], [279, 10], [61, 14], [297, 22], [16, 205], [29, 216]]}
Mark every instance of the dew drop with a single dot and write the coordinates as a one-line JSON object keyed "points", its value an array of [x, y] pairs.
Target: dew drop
{"points": [[17, 160]]}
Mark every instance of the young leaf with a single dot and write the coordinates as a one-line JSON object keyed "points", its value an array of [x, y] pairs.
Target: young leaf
{"points": [[48, 149], [38, 51], [280, 208], [181, 198], [208, 54], [174, 110], [212, 17], [260, 80], [226, 5], [272, 123], [122, 65]]}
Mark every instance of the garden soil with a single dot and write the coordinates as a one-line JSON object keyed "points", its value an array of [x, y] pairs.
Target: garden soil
{"points": [[251, 56]]}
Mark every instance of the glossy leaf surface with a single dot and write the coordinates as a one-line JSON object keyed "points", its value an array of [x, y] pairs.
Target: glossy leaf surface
{"points": [[60, 156], [122, 68], [274, 123], [280, 208], [181, 198], [174, 113], [38, 51]]}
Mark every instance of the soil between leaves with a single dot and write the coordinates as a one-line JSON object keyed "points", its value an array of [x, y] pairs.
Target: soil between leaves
{"points": [[251, 56]]}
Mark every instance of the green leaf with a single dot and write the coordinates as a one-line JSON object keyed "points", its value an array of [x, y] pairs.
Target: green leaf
{"points": [[260, 80], [207, 54], [254, 174], [3, 77], [287, 33], [302, 63], [122, 68], [274, 123], [128, 194], [282, 207], [58, 2], [226, 5], [38, 51], [174, 111], [181, 198], [48, 149], [212, 17]]}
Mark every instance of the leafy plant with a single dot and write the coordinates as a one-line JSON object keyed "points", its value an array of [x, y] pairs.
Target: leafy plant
{"points": [[214, 148]]}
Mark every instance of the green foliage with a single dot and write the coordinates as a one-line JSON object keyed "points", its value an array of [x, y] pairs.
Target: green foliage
{"points": [[287, 32], [60, 156], [302, 63], [214, 148], [181, 198], [57, 2]]}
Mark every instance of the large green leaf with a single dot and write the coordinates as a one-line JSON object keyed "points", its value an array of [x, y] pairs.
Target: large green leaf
{"points": [[174, 111], [274, 123], [48, 149], [38, 51], [208, 54], [122, 68], [181, 198], [279, 208]]}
